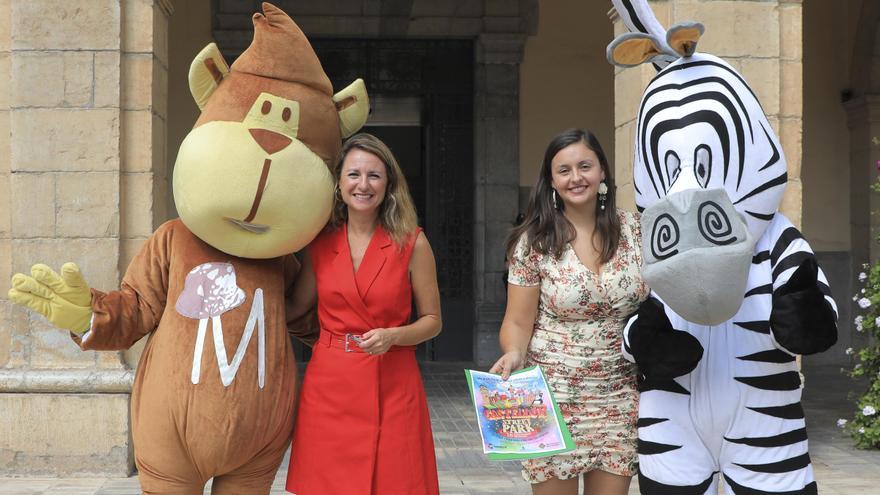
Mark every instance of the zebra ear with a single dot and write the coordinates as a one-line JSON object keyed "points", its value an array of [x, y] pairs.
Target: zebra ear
{"points": [[683, 37], [632, 49]]}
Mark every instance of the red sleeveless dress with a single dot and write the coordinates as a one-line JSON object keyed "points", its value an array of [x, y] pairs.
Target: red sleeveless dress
{"points": [[362, 427]]}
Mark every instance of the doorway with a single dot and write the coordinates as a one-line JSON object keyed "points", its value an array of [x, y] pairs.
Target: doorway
{"points": [[421, 94]]}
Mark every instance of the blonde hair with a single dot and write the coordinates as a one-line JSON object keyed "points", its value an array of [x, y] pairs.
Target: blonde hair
{"points": [[397, 213]]}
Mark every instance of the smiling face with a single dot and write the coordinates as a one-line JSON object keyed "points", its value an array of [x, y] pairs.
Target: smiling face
{"points": [[252, 178], [363, 181], [700, 126], [237, 182], [709, 175], [575, 174]]}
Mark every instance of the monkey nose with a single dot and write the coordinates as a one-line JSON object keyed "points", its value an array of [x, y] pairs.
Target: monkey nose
{"points": [[270, 141]]}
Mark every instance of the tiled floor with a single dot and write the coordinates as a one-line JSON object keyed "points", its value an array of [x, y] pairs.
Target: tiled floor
{"points": [[463, 470]]}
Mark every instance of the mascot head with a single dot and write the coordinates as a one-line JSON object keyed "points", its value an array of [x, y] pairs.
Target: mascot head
{"points": [[252, 177], [708, 169]]}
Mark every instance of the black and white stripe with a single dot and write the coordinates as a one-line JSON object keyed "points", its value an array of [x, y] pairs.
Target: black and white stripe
{"points": [[744, 396], [703, 103], [700, 125]]}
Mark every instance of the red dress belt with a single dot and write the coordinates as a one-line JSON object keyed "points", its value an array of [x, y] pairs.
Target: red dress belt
{"points": [[349, 342]]}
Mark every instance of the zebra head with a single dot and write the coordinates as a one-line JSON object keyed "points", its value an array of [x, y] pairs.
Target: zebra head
{"points": [[708, 169]]}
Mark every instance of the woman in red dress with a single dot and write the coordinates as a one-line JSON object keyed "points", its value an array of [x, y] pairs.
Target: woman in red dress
{"points": [[363, 424]]}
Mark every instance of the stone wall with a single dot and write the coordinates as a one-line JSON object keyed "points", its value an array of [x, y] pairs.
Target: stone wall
{"points": [[84, 172], [82, 110], [5, 184]]}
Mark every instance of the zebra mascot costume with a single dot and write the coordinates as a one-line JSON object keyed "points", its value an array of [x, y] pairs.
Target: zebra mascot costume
{"points": [[737, 293]]}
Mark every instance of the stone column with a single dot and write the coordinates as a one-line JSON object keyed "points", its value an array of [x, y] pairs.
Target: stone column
{"points": [[629, 84], [5, 185], [790, 88], [145, 185], [77, 73], [496, 170], [763, 41]]}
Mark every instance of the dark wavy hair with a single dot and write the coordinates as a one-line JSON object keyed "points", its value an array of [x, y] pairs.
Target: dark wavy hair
{"points": [[546, 228]]}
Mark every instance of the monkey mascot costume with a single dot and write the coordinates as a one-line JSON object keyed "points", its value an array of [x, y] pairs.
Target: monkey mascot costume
{"points": [[737, 293], [252, 185]]}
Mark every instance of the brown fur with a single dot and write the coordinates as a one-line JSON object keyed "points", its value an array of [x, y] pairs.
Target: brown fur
{"points": [[280, 61], [237, 432], [318, 120]]}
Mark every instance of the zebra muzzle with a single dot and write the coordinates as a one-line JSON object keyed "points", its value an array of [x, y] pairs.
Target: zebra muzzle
{"points": [[697, 251]]}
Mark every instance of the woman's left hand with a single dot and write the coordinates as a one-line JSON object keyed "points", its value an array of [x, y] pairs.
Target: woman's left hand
{"points": [[378, 341]]}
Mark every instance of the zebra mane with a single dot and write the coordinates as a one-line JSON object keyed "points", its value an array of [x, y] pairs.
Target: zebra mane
{"points": [[648, 40]]}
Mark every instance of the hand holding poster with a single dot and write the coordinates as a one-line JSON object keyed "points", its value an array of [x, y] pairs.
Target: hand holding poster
{"points": [[518, 418]]}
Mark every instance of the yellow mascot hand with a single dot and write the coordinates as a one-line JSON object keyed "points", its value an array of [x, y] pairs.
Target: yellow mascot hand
{"points": [[64, 300]]}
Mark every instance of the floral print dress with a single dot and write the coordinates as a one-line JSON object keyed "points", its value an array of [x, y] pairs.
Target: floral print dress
{"points": [[577, 342]]}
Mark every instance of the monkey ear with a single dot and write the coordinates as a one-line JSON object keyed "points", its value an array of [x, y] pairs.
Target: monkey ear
{"points": [[205, 73], [632, 49], [353, 106]]}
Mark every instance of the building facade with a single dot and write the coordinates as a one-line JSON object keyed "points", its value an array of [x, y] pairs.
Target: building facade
{"points": [[94, 103]]}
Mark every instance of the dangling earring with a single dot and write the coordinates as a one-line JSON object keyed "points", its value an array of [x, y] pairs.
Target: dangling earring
{"points": [[555, 202], [337, 194], [603, 194]]}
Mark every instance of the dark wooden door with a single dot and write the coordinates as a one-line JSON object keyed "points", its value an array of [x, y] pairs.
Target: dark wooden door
{"points": [[436, 156]]}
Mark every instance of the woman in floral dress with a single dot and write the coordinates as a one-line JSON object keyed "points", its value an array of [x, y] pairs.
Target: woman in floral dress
{"points": [[573, 280]]}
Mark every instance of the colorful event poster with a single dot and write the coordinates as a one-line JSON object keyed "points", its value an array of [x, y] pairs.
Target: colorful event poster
{"points": [[518, 417]]}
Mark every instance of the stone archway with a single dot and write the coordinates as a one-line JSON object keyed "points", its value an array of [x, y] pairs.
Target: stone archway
{"points": [[499, 31], [863, 116], [863, 110]]}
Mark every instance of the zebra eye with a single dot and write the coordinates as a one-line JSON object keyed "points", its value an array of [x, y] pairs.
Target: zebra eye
{"points": [[703, 164], [673, 166]]}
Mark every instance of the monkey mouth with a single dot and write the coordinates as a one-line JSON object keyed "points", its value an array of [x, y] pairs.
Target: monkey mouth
{"points": [[250, 227], [261, 187], [246, 223]]}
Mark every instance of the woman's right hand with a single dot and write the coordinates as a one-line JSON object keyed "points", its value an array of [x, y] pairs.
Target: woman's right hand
{"points": [[508, 363]]}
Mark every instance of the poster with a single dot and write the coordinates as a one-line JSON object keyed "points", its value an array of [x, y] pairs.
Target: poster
{"points": [[518, 417]]}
